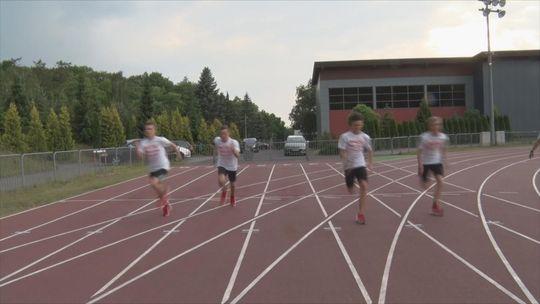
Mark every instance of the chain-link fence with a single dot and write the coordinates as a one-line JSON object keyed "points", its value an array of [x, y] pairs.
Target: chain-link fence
{"points": [[23, 170]]}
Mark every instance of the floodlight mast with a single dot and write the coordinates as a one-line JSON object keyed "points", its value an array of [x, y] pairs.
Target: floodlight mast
{"points": [[500, 13]]}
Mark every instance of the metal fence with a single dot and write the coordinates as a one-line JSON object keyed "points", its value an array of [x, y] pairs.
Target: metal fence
{"points": [[23, 170]]}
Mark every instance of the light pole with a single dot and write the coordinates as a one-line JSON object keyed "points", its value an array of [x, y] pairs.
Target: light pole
{"points": [[486, 11]]}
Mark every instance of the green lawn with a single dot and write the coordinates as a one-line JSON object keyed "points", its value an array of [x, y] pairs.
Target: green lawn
{"points": [[22, 199]]}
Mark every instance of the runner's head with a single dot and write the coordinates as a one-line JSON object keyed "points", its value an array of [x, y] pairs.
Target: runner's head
{"points": [[224, 133], [356, 122], [150, 129], [434, 124]]}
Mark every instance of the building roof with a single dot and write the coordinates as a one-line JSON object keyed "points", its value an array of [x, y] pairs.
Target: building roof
{"points": [[409, 62]]}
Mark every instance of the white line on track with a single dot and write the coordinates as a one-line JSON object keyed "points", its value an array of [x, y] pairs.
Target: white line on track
{"points": [[511, 203], [84, 209], [390, 256], [344, 252], [147, 251], [88, 235], [534, 182], [160, 227], [290, 249], [236, 268], [501, 255], [172, 259], [465, 211], [479, 272], [151, 210]]}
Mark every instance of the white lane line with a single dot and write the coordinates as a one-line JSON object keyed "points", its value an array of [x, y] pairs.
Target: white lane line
{"points": [[344, 252], [172, 259], [159, 227], [511, 270], [479, 272], [510, 202], [84, 209], [390, 256], [465, 211], [88, 235], [147, 251], [236, 268], [284, 254], [534, 182], [515, 232], [150, 210], [471, 266]]}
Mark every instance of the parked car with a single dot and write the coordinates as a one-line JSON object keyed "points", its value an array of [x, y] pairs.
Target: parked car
{"points": [[183, 146], [263, 146], [295, 144], [249, 144]]}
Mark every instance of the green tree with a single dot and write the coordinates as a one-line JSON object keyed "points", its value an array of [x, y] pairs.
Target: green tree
{"points": [[302, 115], [164, 125], [371, 120], [54, 137], [207, 95], [64, 124], [118, 127], [424, 113], [214, 127], [35, 138], [21, 101], [82, 111], [13, 138], [146, 107], [233, 131], [204, 133]]}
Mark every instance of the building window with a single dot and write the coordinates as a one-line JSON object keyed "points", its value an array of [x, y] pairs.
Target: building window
{"points": [[348, 98], [448, 95]]}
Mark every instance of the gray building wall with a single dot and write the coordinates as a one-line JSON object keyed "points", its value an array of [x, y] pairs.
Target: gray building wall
{"points": [[322, 97], [516, 84]]}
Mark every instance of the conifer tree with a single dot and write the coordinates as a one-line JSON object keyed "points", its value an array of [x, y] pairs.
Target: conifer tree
{"points": [[35, 138], [13, 138]]}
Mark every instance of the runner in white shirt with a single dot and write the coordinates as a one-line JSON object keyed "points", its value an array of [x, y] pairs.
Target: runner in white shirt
{"points": [[352, 146], [152, 148], [536, 144], [227, 151], [431, 156]]}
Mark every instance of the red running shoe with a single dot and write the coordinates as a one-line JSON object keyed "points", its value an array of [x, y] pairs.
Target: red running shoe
{"points": [[166, 210], [233, 201], [164, 199], [361, 219], [223, 196], [436, 210]]}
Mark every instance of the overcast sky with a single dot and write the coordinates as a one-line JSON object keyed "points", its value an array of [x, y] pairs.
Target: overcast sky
{"points": [[265, 49]]}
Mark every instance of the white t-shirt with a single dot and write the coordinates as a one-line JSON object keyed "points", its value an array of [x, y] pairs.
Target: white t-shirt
{"points": [[225, 155], [432, 147], [355, 145], [154, 151]]}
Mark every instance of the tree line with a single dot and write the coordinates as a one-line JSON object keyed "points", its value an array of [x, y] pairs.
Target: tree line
{"points": [[65, 106]]}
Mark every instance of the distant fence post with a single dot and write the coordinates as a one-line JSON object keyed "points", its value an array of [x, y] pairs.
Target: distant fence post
{"points": [[22, 169], [54, 164], [80, 163]]}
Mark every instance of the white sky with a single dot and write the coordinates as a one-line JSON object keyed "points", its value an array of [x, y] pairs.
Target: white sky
{"points": [[265, 48]]}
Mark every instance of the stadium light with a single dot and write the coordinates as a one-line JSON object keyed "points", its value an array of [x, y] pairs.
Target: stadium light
{"points": [[500, 13]]}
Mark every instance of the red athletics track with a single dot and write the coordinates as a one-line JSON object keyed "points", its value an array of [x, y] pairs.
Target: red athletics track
{"points": [[291, 238]]}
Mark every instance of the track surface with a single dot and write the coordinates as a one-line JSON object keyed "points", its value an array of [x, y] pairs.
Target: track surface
{"points": [[291, 238]]}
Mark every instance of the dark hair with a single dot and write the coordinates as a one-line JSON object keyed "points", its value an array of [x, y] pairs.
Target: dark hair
{"points": [[150, 122], [355, 116], [224, 127]]}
